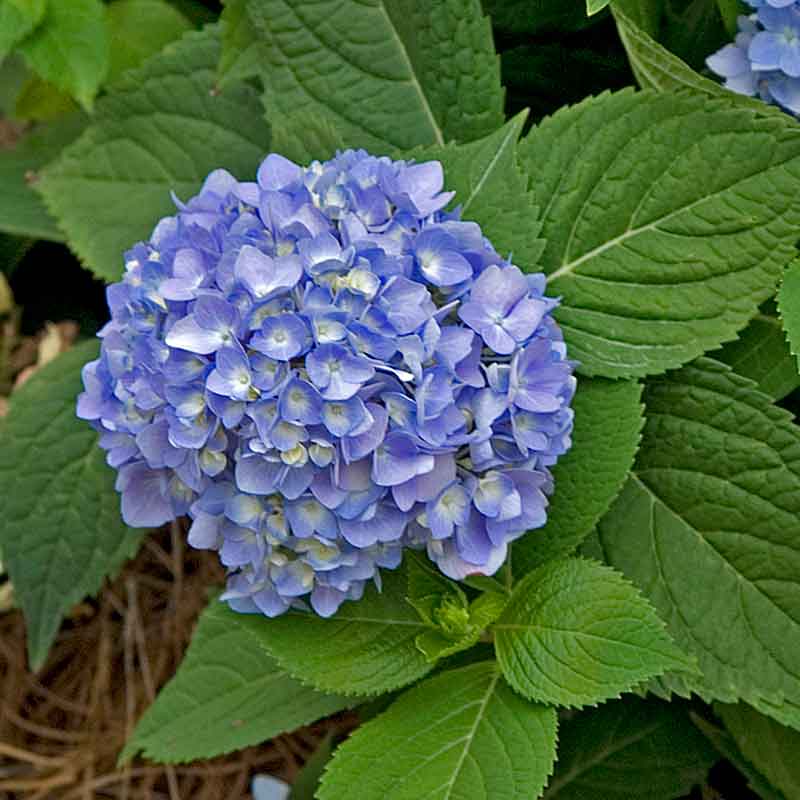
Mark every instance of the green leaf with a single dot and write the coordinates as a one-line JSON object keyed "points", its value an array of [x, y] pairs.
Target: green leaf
{"points": [[228, 693], [770, 747], [653, 65], [593, 6], [306, 783], [70, 48], [22, 213], [139, 29], [629, 749], [61, 532], [707, 526], [668, 219], [461, 734], [18, 18], [608, 421], [161, 129], [762, 354], [40, 101], [320, 139], [368, 647], [726, 746], [389, 74], [789, 307], [576, 632], [492, 191], [242, 51]]}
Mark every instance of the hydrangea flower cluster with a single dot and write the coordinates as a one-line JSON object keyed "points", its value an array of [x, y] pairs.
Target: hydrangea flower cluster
{"points": [[324, 367], [764, 60]]}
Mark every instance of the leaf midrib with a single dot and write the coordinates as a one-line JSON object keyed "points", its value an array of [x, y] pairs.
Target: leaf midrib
{"points": [[471, 735], [629, 233], [414, 81]]}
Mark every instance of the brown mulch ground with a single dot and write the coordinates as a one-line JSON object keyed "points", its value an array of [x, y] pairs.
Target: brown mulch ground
{"points": [[62, 729]]}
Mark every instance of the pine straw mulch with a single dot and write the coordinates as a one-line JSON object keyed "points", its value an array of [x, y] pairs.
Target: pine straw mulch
{"points": [[62, 729]]}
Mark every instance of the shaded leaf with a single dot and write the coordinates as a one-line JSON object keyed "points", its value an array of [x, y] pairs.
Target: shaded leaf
{"points": [[241, 55], [726, 746], [22, 211], [61, 533], [708, 526], [228, 693], [608, 421], [629, 749], [770, 747], [307, 781], [762, 354]]}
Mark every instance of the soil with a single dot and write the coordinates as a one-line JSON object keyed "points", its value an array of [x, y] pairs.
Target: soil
{"points": [[62, 729]]}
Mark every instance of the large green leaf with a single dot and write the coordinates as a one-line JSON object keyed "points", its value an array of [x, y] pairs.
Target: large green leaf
{"points": [[629, 749], [789, 307], [161, 129], [22, 212], [18, 18], [462, 734], [390, 74], [492, 191], [762, 354], [668, 220], [367, 647], [140, 28], [576, 632], [769, 746], [709, 527], [60, 526], [608, 421], [228, 693], [70, 48]]}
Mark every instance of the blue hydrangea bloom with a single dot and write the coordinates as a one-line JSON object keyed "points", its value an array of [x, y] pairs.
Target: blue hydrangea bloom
{"points": [[324, 367], [764, 59]]}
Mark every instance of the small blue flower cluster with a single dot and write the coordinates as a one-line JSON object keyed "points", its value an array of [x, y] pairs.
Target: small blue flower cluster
{"points": [[324, 367], [764, 60]]}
